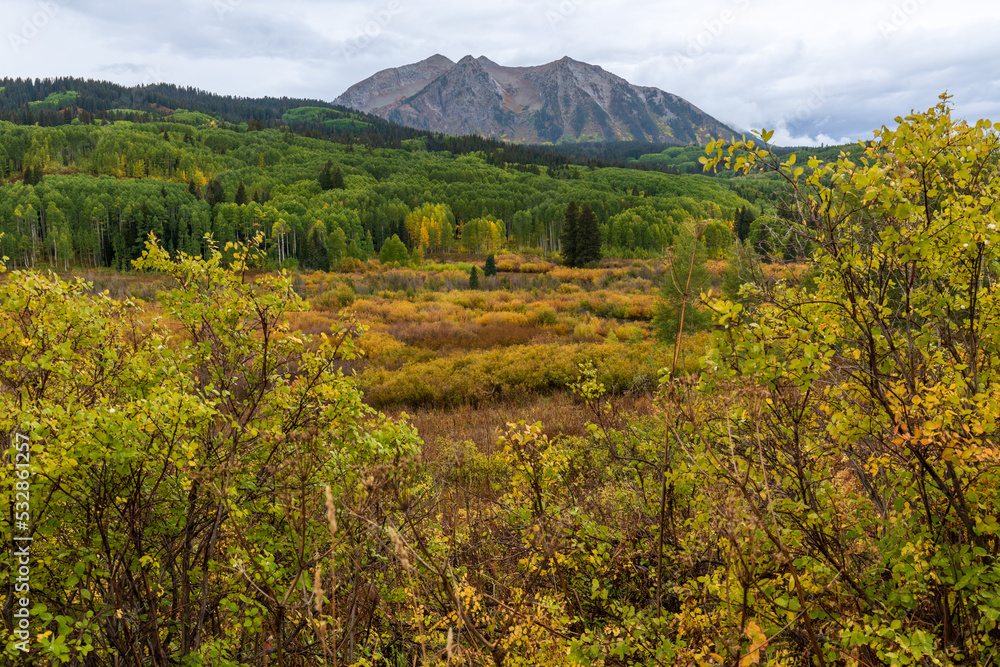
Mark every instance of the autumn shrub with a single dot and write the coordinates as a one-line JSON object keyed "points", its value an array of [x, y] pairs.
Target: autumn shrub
{"points": [[313, 322], [503, 317], [383, 348], [385, 310], [569, 288], [513, 371], [533, 267], [856, 421], [169, 476], [434, 335], [543, 315], [502, 333], [629, 332], [625, 306], [585, 331], [340, 297]]}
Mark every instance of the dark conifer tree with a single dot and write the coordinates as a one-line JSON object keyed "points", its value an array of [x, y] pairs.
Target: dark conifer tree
{"points": [[491, 266], [474, 278], [214, 193], [744, 218], [337, 179], [326, 176], [569, 234], [193, 189], [241, 195], [588, 238]]}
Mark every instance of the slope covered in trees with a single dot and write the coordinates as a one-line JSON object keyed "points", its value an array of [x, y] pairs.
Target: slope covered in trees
{"points": [[88, 195], [61, 101]]}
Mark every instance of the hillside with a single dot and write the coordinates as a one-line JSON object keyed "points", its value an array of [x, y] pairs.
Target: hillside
{"points": [[89, 194]]}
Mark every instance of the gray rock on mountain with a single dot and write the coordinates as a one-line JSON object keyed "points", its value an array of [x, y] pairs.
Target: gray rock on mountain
{"points": [[563, 101]]}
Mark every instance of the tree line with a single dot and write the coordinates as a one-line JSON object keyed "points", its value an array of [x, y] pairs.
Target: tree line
{"points": [[89, 194]]}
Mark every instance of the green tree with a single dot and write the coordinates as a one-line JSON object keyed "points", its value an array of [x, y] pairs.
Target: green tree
{"points": [[744, 218], [241, 195], [337, 246], [214, 192], [716, 237], [678, 308], [588, 238], [474, 278], [394, 251], [490, 269], [325, 176], [317, 246], [570, 235], [337, 179], [330, 177]]}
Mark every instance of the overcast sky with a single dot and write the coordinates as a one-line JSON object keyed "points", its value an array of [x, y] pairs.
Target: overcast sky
{"points": [[816, 72]]}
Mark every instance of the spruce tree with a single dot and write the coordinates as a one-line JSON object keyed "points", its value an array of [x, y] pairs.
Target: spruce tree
{"points": [[337, 179], [491, 266], [33, 176], [569, 234], [241, 195], [744, 218], [214, 193], [588, 238], [326, 177], [474, 278]]}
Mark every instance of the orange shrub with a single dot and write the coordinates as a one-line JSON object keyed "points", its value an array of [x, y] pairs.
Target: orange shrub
{"points": [[312, 322], [535, 267]]}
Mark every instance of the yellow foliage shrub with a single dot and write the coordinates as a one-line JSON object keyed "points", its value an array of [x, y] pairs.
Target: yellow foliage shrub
{"points": [[543, 315], [585, 331], [504, 317], [512, 372]]}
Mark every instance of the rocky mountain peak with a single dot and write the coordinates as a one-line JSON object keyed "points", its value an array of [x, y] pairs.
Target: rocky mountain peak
{"points": [[565, 100]]}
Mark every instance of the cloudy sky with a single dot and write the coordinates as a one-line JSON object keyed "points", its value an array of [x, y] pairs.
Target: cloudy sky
{"points": [[816, 72]]}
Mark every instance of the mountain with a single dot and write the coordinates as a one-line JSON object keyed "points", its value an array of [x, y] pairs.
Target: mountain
{"points": [[562, 101]]}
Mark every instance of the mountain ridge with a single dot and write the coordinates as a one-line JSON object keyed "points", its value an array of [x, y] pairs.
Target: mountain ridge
{"points": [[564, 101]]}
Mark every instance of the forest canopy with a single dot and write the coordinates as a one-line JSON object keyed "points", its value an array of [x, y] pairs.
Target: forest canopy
{"points": [[88, 195]]}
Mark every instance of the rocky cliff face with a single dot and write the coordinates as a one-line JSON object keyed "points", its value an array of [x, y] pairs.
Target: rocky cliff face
{"points": [[391, 85], [562, 101]]}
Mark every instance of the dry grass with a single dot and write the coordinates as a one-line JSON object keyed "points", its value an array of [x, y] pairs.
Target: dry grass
{"points": [[430, 341], [560, 414]]}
